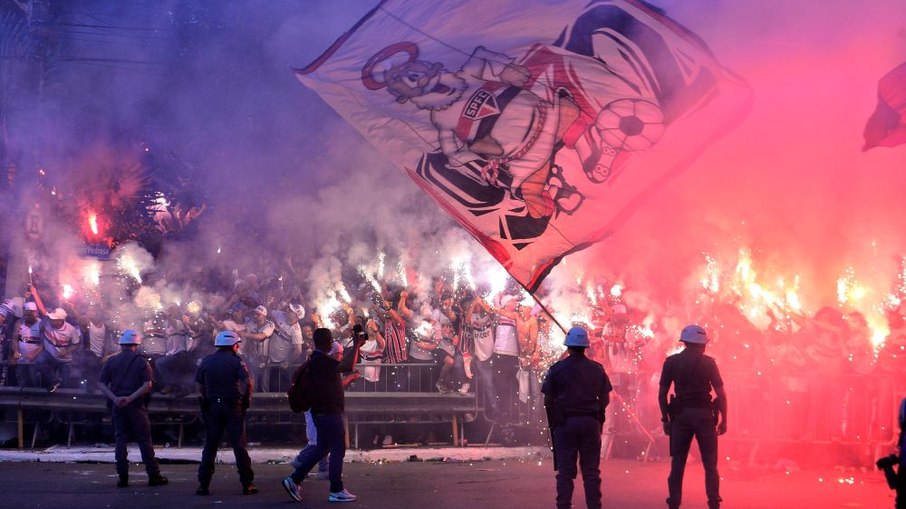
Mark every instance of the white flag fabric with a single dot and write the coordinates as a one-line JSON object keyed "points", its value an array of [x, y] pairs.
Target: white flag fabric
{"points": [[538, 125]]}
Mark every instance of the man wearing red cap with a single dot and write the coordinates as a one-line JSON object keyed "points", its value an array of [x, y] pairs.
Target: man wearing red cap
{"points": [[692, 413]]}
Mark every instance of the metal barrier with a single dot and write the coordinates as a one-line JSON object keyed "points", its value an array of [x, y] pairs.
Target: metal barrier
{"points": [[408, 377], [73, 406], [798, 407], [780, 409]]}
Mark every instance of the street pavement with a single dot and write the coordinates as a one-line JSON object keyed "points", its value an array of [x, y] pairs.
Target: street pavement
{"points": [[449, 478]]}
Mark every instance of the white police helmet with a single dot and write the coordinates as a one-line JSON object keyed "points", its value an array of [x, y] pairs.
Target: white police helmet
{"points": [[227, 338], [578, 337], [694, 334], [130, 337]]}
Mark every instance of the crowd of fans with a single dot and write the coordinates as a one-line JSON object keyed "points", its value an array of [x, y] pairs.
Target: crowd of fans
{"points": [[438, 338], [443, 338]]}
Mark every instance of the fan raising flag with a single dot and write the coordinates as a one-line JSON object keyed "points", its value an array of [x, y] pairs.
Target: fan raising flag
{"points": [[539, 127], [887, 125]]}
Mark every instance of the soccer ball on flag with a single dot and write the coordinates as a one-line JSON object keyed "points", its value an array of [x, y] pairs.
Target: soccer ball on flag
{"points": [[630, 124]]}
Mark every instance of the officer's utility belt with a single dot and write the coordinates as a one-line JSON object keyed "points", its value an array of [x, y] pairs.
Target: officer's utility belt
{"points": [[696, 403], [677, 405]]}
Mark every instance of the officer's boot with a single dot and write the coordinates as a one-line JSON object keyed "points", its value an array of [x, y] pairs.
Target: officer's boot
{"points": [[158, 480], [123, 482]]}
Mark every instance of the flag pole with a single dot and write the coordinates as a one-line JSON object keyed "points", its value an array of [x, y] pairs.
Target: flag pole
{"points": [[546, 310], [623, 402]]}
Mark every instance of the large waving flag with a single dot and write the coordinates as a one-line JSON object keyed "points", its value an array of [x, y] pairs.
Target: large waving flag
{"points": [[887, 125], [539, 126]]}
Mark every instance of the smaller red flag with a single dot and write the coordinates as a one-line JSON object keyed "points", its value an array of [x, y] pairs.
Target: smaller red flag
{"points": [[887, 125]]}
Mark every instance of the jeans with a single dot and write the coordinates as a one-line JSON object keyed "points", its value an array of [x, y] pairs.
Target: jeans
{"points": [[484, 374], [331, 439], [579, 438], [134, 418], [227, 417], [505, 368], [535, 400], [698, 423], [311, 433], [50, 368]]}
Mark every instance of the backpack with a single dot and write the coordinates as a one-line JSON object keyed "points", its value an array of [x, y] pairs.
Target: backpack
{"points": [[299, 392]]}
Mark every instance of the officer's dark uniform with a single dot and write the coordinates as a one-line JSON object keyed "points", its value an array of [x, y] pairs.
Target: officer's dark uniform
{"points": [[900, 501], [693, 375], [224, 408], [897, 479], [123, 374], [576, 393]]}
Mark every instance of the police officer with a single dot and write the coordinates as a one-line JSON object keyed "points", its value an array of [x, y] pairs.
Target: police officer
{"points": [[225, 387], [896, 478], [576, 393], [691, 413], [125, 380]]}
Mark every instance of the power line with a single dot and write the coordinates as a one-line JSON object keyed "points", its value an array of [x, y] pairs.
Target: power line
{"points": [[110, 27], [109, 60]]}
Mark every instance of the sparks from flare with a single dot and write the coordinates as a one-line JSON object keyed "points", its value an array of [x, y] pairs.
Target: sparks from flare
{"points": [[127, 264], [93, 223]]}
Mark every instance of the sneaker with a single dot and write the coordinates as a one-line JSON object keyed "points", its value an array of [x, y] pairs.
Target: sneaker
{"points": [[158, 480], [203, 490], [293, 489], [464, 390], [441, 387], [249, 489], [341, 496]]}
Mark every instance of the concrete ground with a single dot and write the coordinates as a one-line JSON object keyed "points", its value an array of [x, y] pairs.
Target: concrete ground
{"points": [[444, 478]]}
